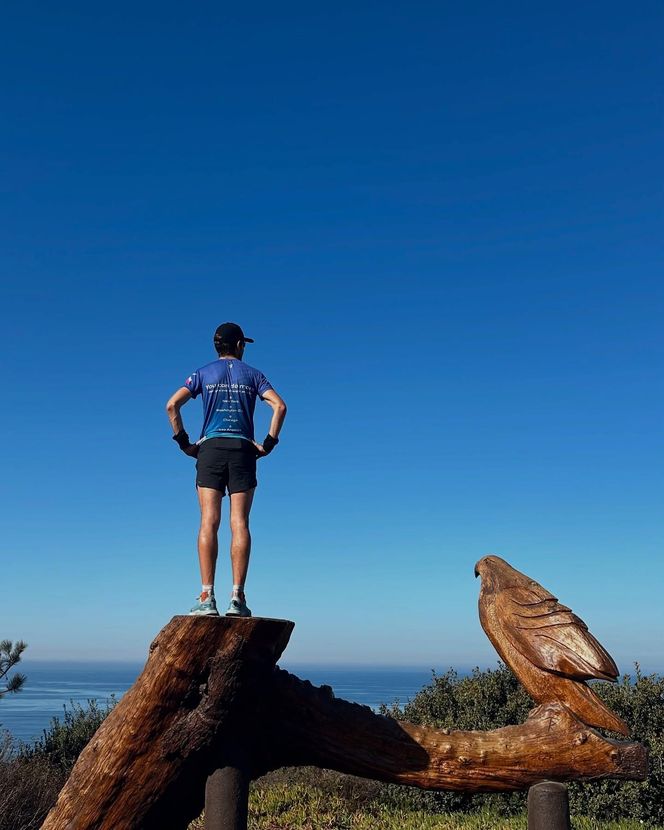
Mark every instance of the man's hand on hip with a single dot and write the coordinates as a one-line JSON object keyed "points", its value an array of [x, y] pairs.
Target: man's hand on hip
{"points": [[191, 450]]}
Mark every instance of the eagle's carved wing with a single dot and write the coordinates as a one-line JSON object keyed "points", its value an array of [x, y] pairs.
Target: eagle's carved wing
{"points": [[550, 635]]}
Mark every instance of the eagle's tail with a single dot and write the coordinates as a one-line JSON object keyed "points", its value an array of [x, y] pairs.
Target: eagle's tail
{"points": [[587, 706]]}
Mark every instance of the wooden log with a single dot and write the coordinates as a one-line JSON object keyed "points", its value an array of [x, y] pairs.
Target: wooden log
{"points": [[210, 685], [147, 765], [309, 726]]}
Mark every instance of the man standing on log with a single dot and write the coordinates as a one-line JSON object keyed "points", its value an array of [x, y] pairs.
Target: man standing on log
{"points": [[226, 456]]}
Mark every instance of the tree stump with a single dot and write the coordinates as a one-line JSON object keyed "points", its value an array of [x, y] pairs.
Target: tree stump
{"points": [[199, 693]]}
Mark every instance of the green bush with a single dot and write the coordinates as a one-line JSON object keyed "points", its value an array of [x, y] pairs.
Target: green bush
{"points": [[31, 776], [64, 740], [28, 790], [639, 701]]}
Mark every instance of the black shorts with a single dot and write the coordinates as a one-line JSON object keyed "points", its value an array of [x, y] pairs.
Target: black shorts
{"points": [[226, 464]]}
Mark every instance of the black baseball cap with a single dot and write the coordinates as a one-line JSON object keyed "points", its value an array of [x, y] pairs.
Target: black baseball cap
{"points": [[230, 333]]}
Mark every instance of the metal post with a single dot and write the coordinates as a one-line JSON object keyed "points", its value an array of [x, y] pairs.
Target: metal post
{"points": [[227, 799], [548, 806]]}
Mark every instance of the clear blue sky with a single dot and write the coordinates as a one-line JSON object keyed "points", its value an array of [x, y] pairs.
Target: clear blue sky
{"points": [[441, 223]]}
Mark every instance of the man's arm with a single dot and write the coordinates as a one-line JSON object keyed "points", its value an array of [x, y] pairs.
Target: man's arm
{"points": [[175, 403], [279, 410]]}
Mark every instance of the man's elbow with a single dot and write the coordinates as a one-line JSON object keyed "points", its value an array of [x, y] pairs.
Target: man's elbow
{"points": [[172, 407], [281, 408]]}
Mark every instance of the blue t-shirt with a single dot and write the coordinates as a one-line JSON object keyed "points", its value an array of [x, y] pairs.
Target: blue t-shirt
{"points": [[229, 388]]}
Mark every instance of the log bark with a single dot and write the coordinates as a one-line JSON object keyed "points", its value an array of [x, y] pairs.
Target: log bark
{"points": [[147, 765], [311, 727]]}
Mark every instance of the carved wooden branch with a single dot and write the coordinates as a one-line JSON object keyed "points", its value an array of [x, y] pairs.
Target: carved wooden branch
{"points": [[310, 726], [210, 696]]}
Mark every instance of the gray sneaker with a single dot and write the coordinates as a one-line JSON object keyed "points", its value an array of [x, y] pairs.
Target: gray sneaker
{"points": [[238, 608], [207, 608]]}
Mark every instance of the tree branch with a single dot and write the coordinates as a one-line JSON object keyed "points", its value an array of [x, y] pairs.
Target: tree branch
{"points": [[310, 727]]}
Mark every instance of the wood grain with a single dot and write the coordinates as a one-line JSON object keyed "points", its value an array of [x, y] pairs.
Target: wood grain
{"points": [[311, 727]]}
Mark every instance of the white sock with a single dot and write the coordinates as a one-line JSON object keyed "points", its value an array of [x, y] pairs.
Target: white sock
{"points": [[238, 591], [207, 589]]}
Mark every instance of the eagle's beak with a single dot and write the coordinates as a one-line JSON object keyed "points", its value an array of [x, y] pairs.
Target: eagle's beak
{"points": [[477, 573]]}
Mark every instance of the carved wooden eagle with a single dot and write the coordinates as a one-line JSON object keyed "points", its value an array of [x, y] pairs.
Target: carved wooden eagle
{"points": [[547, 646]]}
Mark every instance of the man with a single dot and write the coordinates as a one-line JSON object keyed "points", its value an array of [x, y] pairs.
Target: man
{"points": [[226, 456]]}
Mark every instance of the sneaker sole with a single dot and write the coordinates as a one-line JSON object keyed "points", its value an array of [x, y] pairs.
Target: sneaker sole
{"points": [[203, 614]]}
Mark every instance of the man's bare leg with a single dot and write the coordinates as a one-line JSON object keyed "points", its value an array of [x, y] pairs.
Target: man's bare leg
{"points": [[208, 544], [240, 536]]}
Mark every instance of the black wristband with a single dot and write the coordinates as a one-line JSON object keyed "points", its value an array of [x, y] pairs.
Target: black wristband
{"points": [[182, 439], [269, 443]]}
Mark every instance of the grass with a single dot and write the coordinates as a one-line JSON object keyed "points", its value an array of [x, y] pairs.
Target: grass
{"points": [[297, 806]]}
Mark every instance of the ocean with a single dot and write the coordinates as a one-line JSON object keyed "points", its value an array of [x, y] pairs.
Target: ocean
{"points": [[51, 686]]}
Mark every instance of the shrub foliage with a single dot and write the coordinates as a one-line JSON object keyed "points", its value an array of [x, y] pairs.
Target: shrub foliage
{"points": [[31, 776], [64, 741]]}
